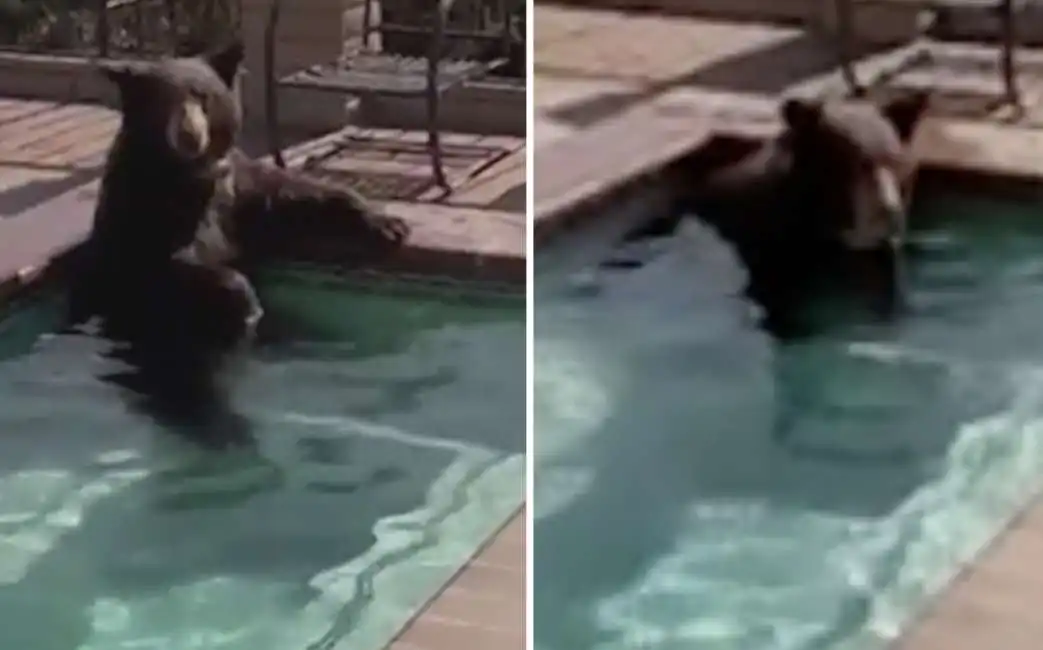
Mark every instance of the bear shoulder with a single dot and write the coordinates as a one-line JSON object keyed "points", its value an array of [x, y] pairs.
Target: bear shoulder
{"points": [[761, 169]]}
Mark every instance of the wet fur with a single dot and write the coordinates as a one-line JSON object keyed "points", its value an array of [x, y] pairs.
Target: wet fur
{"points": [[782, 204], [182, 220]]}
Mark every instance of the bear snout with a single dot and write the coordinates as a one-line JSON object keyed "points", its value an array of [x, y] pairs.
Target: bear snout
{"points": [[879, 211], [188, 132]]}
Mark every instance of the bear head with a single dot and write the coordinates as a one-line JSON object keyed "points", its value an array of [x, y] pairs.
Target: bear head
{"points": [[185, 110], [852, 163]]}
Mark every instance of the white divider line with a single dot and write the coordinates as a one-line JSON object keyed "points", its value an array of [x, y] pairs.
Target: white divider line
{"points": [[382, 431]]}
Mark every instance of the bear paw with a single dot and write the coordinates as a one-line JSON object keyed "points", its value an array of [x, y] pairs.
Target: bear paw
{"points": [[393, 230]]}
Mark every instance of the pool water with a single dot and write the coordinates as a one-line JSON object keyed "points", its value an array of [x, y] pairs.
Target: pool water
{"points": [[699, 486], [376, 474]]}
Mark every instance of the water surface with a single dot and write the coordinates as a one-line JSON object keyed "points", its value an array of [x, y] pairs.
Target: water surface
{"points": [[376, 474], [699, 485]]}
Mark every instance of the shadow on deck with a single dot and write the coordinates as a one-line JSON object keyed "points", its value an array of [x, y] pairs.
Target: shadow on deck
{"points": [[49, 148]]}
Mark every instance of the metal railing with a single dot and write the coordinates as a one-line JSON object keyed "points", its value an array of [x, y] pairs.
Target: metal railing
{"points": [[115, 27], [1005, 10], [466, 21]]}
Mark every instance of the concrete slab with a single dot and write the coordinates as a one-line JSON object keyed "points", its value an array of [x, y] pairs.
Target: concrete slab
{"points": [[483, 606]]}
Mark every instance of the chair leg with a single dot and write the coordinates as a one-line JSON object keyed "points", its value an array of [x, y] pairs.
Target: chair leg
{"points": [[271, 100], [367, 21], [1010, 38], [434, 140], [102, 29], [433, 92], [435, 146], [845, 37]]}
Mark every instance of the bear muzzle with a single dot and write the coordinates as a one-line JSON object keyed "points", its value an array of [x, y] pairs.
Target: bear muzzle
{"points": [[188, 132], [879, 212]]}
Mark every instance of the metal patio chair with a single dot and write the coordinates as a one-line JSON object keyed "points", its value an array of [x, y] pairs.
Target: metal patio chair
{"points": [[371, 71], [920, 51]]}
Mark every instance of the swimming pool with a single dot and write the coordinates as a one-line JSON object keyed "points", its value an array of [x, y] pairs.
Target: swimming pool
{"points": [[375, 476], [701, 486]]}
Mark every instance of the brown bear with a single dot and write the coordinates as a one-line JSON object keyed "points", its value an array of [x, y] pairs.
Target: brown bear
{"points": [[830, 193], [183, 217]]}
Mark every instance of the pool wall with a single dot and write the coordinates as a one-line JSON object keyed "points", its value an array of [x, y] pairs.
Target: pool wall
{"points": [[619, 170]]}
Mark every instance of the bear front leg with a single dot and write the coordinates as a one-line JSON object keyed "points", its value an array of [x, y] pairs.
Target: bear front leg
{"points": [[287, 213], [219, 304], [242, 290]]}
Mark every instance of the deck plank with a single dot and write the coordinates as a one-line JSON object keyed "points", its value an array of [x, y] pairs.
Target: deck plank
{"points": [[483, 606], [995, 603]]}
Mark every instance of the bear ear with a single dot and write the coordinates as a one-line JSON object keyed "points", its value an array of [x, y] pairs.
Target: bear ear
{"points": [[122, 73], [227, 60], [801, 114], [130, 77], [905, 112]]}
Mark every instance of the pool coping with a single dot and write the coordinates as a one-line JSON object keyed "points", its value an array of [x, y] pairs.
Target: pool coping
{"points": [[579, 172], [477, 588], [456, 243]]}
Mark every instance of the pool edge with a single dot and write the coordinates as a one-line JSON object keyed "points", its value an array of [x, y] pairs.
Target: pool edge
{"points": [[458, 244], [496, 563], [578, 175]]}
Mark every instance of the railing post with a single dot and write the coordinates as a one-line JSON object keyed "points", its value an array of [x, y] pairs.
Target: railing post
{"points": [[433, 91], [1010, 41], [271, 97], [845, 44], [102, 29]]}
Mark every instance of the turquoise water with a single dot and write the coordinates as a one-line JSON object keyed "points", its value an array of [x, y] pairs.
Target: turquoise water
{"points": [[376, 474], [699, 486]]}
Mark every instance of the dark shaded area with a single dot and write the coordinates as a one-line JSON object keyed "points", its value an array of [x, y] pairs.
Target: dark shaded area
{"points": [[32, 193], [173, 328], [513, 200]]}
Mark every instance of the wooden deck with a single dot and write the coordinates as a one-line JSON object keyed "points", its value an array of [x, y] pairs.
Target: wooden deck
{"points": [[483, 607], [51, 156], [48, 148], [995, 603]]}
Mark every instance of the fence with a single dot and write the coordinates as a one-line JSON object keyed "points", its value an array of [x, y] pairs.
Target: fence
{"points": [[146, 28], [464, 17], [115, 27]]}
